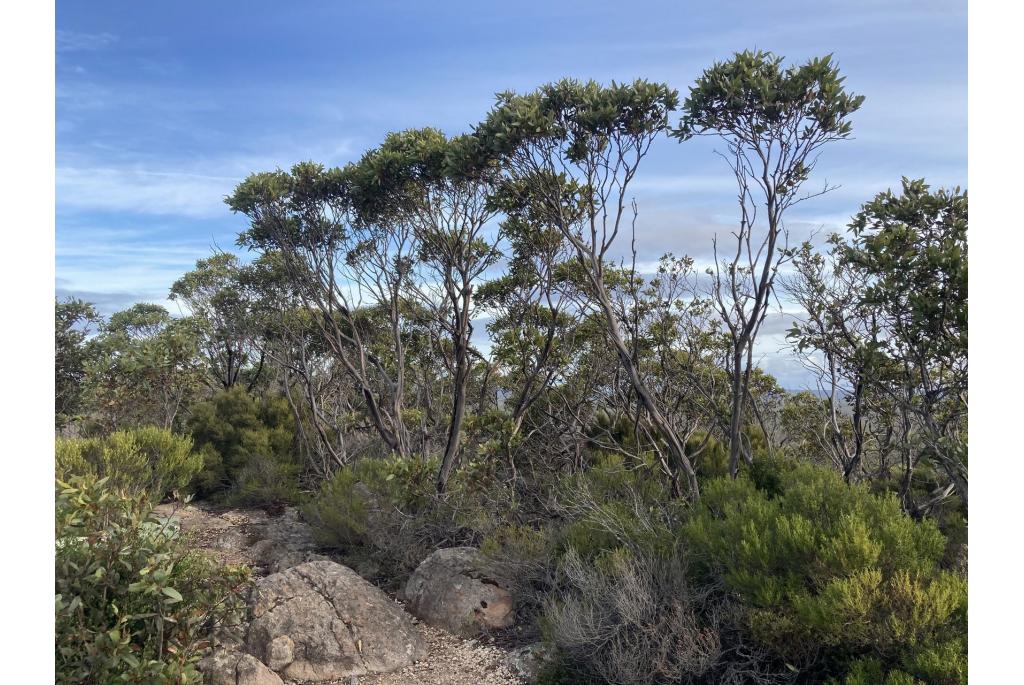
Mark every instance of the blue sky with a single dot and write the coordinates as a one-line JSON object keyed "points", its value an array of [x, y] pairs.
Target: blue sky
{"points": [[163, 107]]}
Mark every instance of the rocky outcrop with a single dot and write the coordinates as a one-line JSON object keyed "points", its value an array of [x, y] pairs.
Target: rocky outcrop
{"points": [[282, 542], [450, 590], [225, 667], [275, 556], [320, 621]]}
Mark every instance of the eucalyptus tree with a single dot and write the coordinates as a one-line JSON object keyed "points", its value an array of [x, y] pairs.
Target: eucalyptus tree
{"points": [[569, 151], [534, 316], [214, 300], [837, 339], [306, 218], [73, 322], [774, 122], [441, 188], [290, 339], [145, 368], [911, 252]]}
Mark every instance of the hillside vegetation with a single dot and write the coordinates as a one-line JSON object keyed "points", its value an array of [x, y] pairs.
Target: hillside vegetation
{"points": [[662, 510]]}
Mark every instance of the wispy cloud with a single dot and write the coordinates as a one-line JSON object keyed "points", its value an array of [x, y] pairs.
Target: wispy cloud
{"points": [[169, 187], [115, 268], [74, 41], [144, 192]]}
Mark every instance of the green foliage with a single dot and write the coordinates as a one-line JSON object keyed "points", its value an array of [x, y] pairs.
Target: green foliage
{"points": [[943, 663], [147, 460], [144, 369], [247, 447], [133, 603], [384, 515], [913, 247], [614, 504], [829, 571], [751, 95], [72, 320], [389, 181], [581, 114], [340, 512], [911, 251], [220, 317], [712, 460], [70, 457]]}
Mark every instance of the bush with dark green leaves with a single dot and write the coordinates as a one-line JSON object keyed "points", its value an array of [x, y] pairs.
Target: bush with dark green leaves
{"points": [[134, 603], [837, 581], [147, 460], [786, 574], [247, 447]]}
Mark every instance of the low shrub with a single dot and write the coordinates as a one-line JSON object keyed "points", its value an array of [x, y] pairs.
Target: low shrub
{"points": [[524, 560], [631, 618], [140, 460], [384, 517], [70, 457], [134, 604], [832, 574], [247, 447], [616, 504], [785, 575]]}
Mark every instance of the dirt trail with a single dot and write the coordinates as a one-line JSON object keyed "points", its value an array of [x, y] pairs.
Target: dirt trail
{"points": [[242, 536]]}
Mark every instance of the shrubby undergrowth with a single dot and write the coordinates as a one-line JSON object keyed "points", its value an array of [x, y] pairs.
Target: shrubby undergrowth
{"points": [[145, 460], [384, 516], [786, 570], [134, 603], [834, 578], [247, 446]]}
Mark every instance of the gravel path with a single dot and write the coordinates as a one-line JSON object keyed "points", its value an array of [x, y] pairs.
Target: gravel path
{"points": [[229, 536], [450, 661]]}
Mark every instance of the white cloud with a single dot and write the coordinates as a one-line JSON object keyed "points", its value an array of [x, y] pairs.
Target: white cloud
{"points": [[144, 192], [130, 182], [684, 184], [109, 268], [76, 41]]}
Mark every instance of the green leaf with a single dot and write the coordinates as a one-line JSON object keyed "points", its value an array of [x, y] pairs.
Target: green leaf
{"points": [[173, 594]]}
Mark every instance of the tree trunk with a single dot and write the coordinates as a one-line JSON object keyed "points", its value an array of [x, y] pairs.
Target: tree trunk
{"points": [[451, 449], [736, 419], [676, 448]]}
